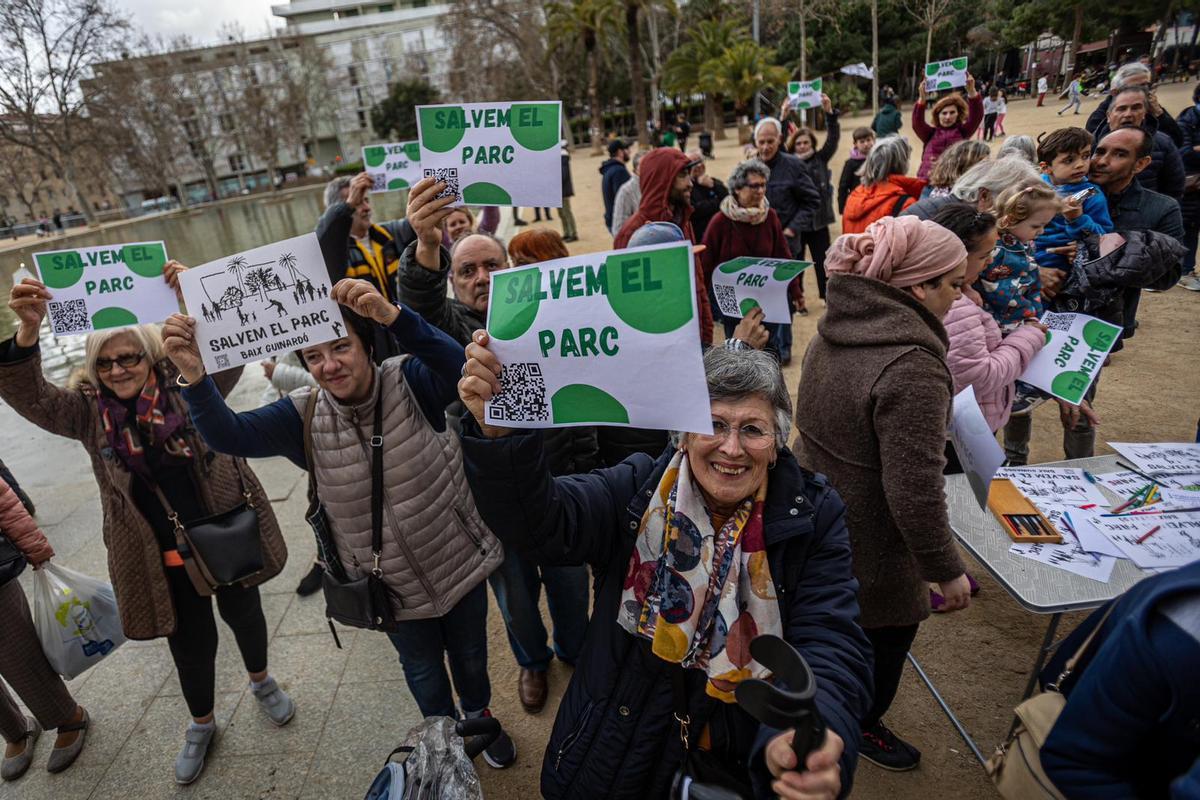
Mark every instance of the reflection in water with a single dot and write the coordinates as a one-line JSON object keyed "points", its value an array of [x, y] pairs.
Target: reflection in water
{"points": [[196, 236]]}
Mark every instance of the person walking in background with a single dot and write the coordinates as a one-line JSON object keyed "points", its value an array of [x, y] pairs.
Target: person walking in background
{"points": [[871, 414], [23, 665], [954, 119], [1001, 112], [889, 120], [864, 140], [885, 189], [682, 131], [1074, 94], [1043, 86], [629, 196], [707, 194], [570, 233], [613, 175], [803, 145], [953, 164], [991, 109], [152, 469]]}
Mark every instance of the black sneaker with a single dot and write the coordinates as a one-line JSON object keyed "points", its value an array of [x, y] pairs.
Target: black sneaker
{"points": [[311, 582], [885, 749], [502, 752]]}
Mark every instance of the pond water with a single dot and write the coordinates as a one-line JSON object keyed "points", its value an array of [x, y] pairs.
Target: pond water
{"points": [[195, 236]]}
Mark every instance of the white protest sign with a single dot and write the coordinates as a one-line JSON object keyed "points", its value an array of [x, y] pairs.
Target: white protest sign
{"points": [[947, 74], [746, 282], [261, 303], [1054, 486], [1076, 346], [975, 444], [494, 154], [1161, 458], [603, 338], [804, 94], [110, 286], [392, 166], [1153, 541], [1070, 555]]}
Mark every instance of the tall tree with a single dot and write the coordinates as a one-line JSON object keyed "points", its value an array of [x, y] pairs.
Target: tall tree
{"points": [[581, 21], [741, 72], [931, 14], [46, 47], [684, 73], [395, 117]]}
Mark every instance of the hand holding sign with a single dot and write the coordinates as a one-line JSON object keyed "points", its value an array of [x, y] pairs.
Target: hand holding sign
{"points": [[364, 299], [28, 301], [751, 329], [179, 343], [480, 382], [360, 184], [426, 213], [171, 272]]}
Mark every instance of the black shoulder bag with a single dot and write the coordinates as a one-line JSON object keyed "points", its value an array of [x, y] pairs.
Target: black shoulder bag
{"points": [[12, 560], [222, 549], [361, 602]]}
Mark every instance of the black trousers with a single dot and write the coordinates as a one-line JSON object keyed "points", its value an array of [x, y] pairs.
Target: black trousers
{"points": [[989, 127], [194, 643], [817, 243], [891, 646]]}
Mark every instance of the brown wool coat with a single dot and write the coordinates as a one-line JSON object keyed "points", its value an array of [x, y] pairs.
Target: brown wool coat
{"points": [[872, 411], [135, 564]]}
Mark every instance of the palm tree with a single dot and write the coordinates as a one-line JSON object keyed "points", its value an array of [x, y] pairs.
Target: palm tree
{"points": [[236, 265], [288, 262], [740, 72], [706, 41], [571, 21]]}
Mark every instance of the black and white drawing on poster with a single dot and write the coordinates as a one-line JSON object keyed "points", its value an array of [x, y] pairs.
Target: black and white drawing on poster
{"points": [[261, 303]]}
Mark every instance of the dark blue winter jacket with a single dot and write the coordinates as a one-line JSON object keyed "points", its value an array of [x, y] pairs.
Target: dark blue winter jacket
{"points": [[614, 173], [1131, 725], [615, 735], [1061, 231]]}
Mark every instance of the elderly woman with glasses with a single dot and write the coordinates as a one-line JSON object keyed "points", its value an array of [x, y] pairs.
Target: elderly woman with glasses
{"points": [[746, 225], [721, 538], [152, 468]]}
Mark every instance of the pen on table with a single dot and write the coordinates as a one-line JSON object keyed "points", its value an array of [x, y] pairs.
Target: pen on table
{"points": [[1089, 476], [1137, 472], [1148, 534], [1132, 499], [1070, 526]]}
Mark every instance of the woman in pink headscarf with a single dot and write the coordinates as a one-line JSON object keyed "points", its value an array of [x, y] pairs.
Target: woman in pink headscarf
{"points": [[871, 414]]}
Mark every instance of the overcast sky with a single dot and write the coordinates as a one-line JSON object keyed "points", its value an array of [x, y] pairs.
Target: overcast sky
{"points": [[199, 20]]}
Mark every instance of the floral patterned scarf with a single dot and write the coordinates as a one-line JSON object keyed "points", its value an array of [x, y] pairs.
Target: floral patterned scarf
{"points": [[700, 595], [155, 422]]}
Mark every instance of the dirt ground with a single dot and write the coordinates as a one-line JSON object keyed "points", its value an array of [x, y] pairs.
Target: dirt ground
{"points": [[978, 658]]}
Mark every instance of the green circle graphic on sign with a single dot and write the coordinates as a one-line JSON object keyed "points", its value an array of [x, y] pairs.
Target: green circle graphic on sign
{"points": [[1099, 335], [113, 317], [60, 270], [579, 402], [412, 150], [960, 63], [534, 125], [651, 291], [483, 193], [944, 85], [931, 70], [515, 297], [737, 264], [1070, 386], [785, 272], [442, 127], [747, 305], [374, 156], [397, 183], [146, 260]]}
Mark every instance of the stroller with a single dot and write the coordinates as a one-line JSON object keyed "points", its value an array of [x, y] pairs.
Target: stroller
{"points": [[437, 764]]}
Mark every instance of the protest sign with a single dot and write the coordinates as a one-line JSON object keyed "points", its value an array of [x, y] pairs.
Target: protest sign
{"points": [[1070, 555], [746, 282], [110, 286], [1054, 486], [978, 452], [947, 74], [262, 302], [603, 338], [494, 154], [1076, 346], [392, 166], [1161, 458], [1154, 541], [804, 94]]}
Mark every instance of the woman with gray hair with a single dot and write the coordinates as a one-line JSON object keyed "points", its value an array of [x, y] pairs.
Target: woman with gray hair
{"points": [[1020, 145], [721, 538], [980, 186], [746, 225], [886, 189]]}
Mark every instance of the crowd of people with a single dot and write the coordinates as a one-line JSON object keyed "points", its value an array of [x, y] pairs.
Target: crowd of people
{"points": [[819, 519]]}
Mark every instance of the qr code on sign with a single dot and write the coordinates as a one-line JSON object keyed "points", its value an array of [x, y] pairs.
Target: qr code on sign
{"points": [[450, 176], [69, 316], [1058, 322], [727, 300], [222, 361], [522, 397], [378, 181]]}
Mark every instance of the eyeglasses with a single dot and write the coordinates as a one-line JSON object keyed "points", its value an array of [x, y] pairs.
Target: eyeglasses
{"points": [[752, 436], [127, 361], [757, 187]]}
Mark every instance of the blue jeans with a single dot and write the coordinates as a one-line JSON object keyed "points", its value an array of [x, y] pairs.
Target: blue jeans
{"points": [[518, 586], [459, 636]]}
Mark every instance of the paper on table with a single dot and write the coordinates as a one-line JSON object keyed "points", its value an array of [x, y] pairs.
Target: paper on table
{"points": [[1174, 544], [494, 154], [1054, 485], [1155, 458], [975, 444], [1123, 483], [1091, 538], [1070, 555], [1176, 499], [746, 282], [583, 340], [1075, 350]]}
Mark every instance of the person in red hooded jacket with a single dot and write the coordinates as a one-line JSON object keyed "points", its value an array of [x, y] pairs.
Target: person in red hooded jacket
{"points": [[666, 183]]}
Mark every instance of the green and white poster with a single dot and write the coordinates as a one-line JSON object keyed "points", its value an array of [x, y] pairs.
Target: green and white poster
{"points": [[948, 74], [1076, 346], [494, 154], [392, 166], [804, 94], [746, 282], [604, 338], [110, 286]]}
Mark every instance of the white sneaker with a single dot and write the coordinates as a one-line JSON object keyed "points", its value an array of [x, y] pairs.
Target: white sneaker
{"points": [[1191, 282], [190, 761]]}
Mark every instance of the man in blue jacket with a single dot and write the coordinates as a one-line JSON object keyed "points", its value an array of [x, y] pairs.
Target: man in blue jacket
{"points": [[615, 174], [1130, 109]]}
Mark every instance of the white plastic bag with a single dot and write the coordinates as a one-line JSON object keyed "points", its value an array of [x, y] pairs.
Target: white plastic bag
{"points": [[76, 619]]}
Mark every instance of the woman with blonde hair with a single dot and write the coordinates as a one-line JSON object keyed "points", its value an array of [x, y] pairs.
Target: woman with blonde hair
{"points": [[953, 164], [156, 476]]}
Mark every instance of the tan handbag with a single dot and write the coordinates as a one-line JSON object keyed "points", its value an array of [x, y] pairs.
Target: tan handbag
{"points": [[1016, 766]]}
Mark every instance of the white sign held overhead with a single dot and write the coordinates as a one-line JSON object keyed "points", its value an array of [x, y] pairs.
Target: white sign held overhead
{"points": [[392, 166], [262, 302]]}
